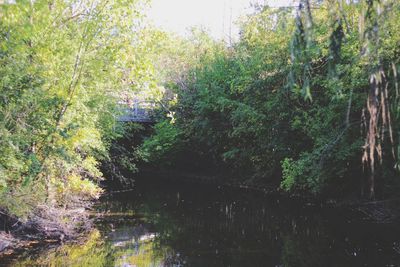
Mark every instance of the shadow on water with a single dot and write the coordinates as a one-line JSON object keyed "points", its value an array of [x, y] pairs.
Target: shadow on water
{"points": [[160, 224]]}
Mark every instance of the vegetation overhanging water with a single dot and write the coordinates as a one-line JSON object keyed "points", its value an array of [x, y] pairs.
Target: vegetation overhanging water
{"points": [[305, 102]]}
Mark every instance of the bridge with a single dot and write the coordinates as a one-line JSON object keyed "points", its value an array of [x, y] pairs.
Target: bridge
{"points": [[140, 111]]}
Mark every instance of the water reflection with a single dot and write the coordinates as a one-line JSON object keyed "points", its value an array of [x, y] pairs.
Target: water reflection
{"points": [[170, 225], [117, 250], [93, 252]]}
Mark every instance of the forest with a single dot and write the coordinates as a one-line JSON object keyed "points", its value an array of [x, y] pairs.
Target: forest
{"points": [[304, 103], [307, 100]]}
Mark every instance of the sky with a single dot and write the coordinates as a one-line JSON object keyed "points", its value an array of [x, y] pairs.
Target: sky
{"points": [[214, 15]]}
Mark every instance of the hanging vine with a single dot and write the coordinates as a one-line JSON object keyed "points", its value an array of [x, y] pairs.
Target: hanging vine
{"points": [[300, 48], [378, 120]]}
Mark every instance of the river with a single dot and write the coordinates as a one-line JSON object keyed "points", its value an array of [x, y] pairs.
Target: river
{"points": [[165, 224]]}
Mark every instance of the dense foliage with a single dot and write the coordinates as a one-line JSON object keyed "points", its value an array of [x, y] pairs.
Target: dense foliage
{"points": [[307, 100], [63, 66], [290, 103]]}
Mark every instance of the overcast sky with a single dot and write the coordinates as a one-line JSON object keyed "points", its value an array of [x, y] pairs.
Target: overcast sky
{"points": [[215, 15]]}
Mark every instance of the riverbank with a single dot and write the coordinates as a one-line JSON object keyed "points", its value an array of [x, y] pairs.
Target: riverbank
{"points": [[379, 211], [45, 225], [212, 179]]}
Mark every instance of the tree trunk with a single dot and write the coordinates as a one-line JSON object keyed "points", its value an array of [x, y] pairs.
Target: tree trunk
{"points": [[372, 135]]}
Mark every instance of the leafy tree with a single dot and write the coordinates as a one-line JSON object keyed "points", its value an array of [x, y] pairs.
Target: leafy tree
{"points": [[284, 105], [64, 66]]}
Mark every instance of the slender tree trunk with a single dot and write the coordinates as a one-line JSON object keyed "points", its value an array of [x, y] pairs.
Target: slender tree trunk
{"points": [[372, 135]]}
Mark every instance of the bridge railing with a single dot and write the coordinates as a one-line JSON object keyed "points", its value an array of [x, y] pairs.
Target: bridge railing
{"points": [[139, 111]]}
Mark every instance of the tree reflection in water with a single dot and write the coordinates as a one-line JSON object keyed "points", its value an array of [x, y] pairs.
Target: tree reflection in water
{"points": [[206, 226]]}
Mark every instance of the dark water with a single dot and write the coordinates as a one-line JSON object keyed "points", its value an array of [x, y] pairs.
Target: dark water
{"points": [[160, 224]]}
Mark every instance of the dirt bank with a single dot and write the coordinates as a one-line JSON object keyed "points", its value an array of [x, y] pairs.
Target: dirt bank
{"points": [[45, 225]]}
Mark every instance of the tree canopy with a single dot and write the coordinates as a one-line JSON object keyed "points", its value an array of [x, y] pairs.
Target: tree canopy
{"points": [[307, 100], [64, 66]]}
